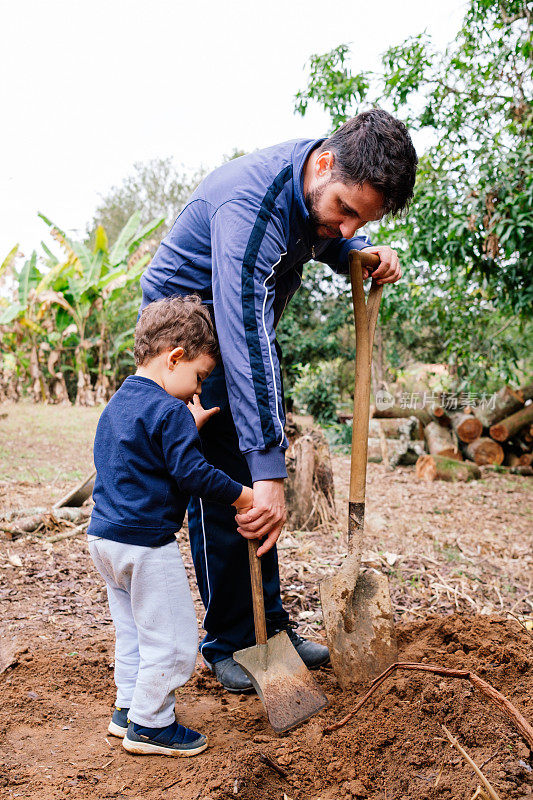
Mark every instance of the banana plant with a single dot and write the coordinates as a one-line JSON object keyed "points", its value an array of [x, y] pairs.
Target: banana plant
{"points": [[22, 314], [88, 281], [27, 278], [61, 302]]}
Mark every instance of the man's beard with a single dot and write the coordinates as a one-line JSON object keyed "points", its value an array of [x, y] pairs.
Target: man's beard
{"points": [[312, 199]]}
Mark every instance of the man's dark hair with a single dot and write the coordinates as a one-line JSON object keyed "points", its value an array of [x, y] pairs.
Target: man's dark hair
{"points": [[175, 322], [375, 147]]}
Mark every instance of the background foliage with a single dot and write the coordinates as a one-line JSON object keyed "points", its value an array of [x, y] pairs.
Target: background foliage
{"points": [[466, 243], [155, 189], [66, 324], [60, 336]]}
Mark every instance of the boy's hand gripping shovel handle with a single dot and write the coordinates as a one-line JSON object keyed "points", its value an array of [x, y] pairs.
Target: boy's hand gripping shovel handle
{"points": [[366, 315]]}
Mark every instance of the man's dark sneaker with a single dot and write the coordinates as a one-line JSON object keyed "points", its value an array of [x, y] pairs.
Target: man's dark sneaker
{"points": [[231, 675], [119, 722], [234, 679], [313, 654], [174, 740]]}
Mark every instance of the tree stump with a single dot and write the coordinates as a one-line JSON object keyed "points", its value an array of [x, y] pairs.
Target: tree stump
{"points": [[309, 490]]}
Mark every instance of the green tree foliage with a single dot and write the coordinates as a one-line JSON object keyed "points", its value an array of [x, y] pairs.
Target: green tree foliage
{"points": [[332, 85], [468, 237], [312, 323], [316, 327], [156, 188]]}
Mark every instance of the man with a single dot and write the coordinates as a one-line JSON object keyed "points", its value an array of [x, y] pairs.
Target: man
{"points": [[241, 243]]}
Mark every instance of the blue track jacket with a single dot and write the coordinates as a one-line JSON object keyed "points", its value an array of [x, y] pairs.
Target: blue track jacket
{"points": [[241, 243]]}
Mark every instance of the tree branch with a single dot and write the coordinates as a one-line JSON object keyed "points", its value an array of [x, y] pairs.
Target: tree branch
{"points": [[490, 789]]}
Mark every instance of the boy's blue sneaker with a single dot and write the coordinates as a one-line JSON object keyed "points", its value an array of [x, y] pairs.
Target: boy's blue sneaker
{"points": [[119, 722], [174, 740]]}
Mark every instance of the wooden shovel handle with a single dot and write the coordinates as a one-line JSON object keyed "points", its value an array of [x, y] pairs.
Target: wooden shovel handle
{"points": [[258, 600], [366, 315]]}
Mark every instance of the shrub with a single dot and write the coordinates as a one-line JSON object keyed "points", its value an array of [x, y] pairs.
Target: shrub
{"points": [[315, 390]]}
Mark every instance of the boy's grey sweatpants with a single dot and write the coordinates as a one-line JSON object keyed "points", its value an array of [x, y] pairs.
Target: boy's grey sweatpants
{"points": [[155, 623]]}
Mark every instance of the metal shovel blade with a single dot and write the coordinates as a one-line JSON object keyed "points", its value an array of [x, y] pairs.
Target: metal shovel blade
{"points": [[359, 624], [282, 681]]}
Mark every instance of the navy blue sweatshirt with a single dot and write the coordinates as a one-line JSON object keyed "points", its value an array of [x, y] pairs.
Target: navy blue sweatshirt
{"points": [[148, 460]]}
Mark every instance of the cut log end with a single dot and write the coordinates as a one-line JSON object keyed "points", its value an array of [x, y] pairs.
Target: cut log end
{"points": [[431, 468], [467, 427], [503, 430], [441, 442], [485, 451]]}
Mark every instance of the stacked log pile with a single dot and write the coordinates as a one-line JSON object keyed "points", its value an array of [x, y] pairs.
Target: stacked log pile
{"points": [[498, 433], [395, 441], [443, 444]]}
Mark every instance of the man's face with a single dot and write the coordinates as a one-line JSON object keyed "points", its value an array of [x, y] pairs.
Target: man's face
{"points": [[337, 209]]}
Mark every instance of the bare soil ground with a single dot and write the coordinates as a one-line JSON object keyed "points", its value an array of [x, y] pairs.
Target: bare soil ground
{"points": [[459, 559]]}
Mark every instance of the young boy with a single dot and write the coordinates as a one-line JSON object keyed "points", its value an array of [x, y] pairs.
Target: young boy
{"points": [[149, 462]]}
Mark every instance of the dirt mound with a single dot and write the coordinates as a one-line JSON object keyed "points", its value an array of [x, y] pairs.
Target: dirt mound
{"points": [[55, 706], [394, 747]]}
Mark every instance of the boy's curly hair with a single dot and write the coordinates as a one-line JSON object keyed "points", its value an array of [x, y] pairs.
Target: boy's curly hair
{"points": [[180, 321]]}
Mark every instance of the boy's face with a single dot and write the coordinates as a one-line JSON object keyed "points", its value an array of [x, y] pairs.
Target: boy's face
{"points": [[183, 379]]}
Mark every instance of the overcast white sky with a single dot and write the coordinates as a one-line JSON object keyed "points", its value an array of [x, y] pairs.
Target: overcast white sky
{"points": [[88, 88]]}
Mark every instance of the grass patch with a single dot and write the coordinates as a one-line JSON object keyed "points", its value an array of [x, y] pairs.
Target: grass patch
{"points": [[40, 443]]}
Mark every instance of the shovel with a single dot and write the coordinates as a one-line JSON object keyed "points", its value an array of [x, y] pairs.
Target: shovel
{"points": [[356, 604], [281, 679]]}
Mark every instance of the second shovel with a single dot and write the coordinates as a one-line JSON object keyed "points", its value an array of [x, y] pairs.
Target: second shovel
{"points": [[284, 684]]}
